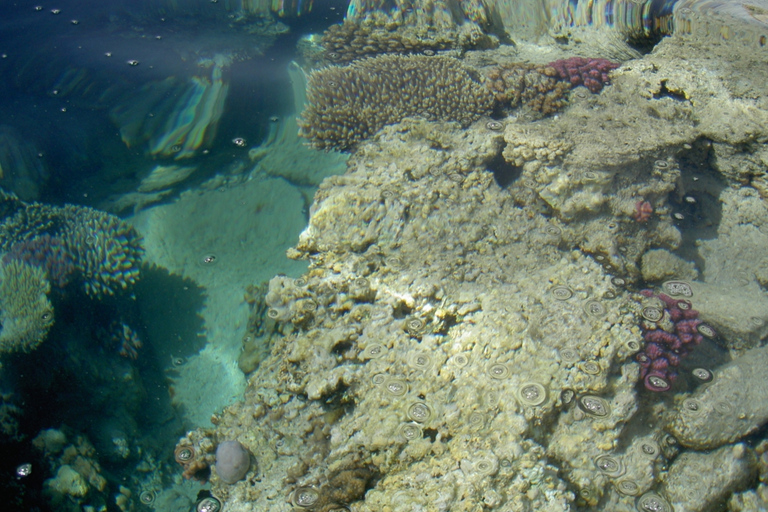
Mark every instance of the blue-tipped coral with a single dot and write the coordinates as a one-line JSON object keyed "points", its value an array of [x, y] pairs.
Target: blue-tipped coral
{"points": [[71, 243]]}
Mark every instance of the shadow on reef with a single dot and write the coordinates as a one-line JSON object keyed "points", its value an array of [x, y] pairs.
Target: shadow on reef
{"points": [[115, 412]]}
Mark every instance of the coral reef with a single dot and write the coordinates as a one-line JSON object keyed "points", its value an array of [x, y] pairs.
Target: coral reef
{"points": [[671, 328], [466, 337], [643, 211], [195, 454], [399, 350], [353, 40], [77, 476], [347, 105]]}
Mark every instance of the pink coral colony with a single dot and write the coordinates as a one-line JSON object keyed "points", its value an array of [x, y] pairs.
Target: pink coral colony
{"points": [[591, 73], [668, 340], [643, 211]]}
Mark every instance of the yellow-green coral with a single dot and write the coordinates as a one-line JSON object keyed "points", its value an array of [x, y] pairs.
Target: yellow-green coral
{"points": [[347, 105], [26, 313]]}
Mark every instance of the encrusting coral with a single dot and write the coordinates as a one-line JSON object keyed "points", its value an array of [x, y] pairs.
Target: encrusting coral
{"points": [[347, 105]]}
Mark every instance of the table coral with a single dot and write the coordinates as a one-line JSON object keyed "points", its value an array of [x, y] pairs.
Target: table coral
{"points": [[347, 105]]}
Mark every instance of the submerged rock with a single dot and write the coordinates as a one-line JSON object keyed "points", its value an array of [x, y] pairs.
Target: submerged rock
{"points": [[703, 481], [733, 405]]}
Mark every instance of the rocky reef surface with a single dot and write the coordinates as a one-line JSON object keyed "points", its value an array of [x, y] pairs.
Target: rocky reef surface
{"points": [[470, 333]]}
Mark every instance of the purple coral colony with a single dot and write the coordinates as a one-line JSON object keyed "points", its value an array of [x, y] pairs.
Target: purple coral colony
{"points": [[671, 328], [591, 73]]}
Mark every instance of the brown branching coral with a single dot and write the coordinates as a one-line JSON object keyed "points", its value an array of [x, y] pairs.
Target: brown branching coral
{"points": [[347, 105], [353, 40], [538, 88], [409, 27]]}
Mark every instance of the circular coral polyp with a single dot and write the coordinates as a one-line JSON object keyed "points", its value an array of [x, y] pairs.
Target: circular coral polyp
{"points": [[532, 394], [562, 293], [410, 431], [627, 487], [184, 454], [652, 314], [656, 383], [396, 387], [498, 371], [678, 288], [652, 502], [702, 374], [419, 412], [609, 465], [208, 504], [305, 497], [594, 308], [706, 331], [147, 497], [594, 406]]}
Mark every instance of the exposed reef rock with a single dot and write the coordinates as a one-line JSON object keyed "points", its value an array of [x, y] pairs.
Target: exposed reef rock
{"points": [[420, 357], [660, 265]]}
